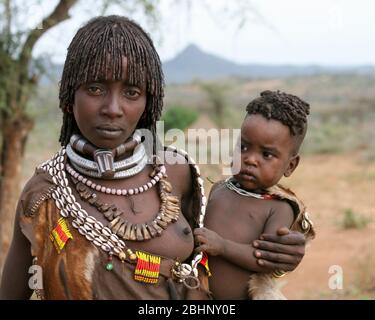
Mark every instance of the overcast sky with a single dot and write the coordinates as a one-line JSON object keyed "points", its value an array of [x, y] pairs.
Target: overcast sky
{"points": [[328, 32]]}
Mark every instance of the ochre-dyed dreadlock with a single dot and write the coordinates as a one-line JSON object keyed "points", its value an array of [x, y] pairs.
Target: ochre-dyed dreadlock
{"points": [[96, 53], [286, 108]]}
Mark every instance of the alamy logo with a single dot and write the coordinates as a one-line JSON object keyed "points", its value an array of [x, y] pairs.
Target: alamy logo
{"points": [[336, 281], [36, 280]]}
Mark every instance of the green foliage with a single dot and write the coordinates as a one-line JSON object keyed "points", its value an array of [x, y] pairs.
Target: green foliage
{"points": [[327, 137], [179, 118], [353, 220], [216, 93]]}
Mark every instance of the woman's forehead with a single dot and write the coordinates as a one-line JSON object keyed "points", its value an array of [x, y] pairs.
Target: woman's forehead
{"points": [[117, 70]]}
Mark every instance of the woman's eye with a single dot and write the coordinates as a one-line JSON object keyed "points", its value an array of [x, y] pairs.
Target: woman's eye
{"points": [[243, 148], [95, 90], [132, 93]]}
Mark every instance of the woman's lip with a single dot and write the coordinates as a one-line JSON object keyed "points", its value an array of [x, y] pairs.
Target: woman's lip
{"points": [[109, 133], [109, 128]]}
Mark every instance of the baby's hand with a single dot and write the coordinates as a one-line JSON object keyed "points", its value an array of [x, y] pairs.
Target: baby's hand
{"points": [[209, 241]]}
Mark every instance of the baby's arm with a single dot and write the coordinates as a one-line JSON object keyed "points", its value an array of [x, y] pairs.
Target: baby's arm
{"points": [[281, 217], [242, 254], [237, 253]]}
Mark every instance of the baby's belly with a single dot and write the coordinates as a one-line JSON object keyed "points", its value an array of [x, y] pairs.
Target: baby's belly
{"points": [[228, 281]]}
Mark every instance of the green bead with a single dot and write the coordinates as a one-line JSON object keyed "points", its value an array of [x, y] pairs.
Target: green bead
{"points": [[109, 266]]}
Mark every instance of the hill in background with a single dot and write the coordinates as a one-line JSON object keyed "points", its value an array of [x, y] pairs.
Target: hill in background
{"points": [[193, 63]]}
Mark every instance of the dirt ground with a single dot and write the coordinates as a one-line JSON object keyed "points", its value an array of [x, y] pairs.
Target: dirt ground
{"points": [[330, 184]]}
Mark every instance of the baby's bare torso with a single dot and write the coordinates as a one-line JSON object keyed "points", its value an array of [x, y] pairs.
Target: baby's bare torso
{"points": [[237, 218]]}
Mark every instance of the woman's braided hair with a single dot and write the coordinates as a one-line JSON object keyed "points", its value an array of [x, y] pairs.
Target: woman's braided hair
{"points": [[290, 110], [96, 53]]}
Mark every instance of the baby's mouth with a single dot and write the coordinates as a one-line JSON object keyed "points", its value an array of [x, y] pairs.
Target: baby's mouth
{"points": [[248, 177]]}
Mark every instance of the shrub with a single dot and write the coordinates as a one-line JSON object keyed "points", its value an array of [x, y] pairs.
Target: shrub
{"points": [[179, 118], [330, 137], [352, 220]]}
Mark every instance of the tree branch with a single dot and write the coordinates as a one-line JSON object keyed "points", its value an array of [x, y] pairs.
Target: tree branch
{"points": [[7, 27], [60, 14]]}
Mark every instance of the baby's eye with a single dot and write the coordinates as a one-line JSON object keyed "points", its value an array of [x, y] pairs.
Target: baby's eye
{"points": [[267, 155], [94, 90], [243, 148]]}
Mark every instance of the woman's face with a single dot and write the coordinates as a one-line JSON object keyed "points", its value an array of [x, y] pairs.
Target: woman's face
{"points": [[107, 112]]}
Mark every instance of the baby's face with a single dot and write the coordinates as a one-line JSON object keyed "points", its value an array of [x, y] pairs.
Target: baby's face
{"points": [[266, 151]]}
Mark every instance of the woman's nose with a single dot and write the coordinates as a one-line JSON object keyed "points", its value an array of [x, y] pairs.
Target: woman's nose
{"points": [[113, 106]]}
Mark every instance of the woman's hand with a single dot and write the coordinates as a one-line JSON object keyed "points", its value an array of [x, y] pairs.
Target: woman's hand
{"points": [[283, 251], [208, 241]]}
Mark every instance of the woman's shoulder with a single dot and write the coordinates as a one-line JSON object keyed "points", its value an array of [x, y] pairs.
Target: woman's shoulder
{"points": [[178, 169], [176, 160], [37, 189]]}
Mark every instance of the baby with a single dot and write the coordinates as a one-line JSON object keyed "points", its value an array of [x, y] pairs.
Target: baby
{"points": [[251, 203]]}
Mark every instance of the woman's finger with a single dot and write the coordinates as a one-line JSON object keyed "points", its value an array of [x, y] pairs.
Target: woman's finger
{"points": [[202, 247], [279, 248], [276, 266], [200, 239], [283, 231], [199, 231], [293, 238], [277, 257]]}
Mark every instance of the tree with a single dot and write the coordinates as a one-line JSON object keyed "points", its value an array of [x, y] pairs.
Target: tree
{"points": [[16, 86]]}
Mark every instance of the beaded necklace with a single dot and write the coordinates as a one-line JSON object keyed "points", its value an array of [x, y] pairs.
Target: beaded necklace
{"points": [[231, 184], [102, 236], [115, 191], [168, 213]]}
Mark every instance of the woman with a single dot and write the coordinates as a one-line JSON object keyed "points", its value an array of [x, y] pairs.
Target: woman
{"points": [[102, 221]]}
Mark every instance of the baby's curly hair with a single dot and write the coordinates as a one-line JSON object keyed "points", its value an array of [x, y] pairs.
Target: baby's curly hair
{"points": [[286, 108]]}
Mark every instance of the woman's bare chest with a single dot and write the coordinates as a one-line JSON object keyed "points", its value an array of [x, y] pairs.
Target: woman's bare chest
{"points": [[145, 221]]}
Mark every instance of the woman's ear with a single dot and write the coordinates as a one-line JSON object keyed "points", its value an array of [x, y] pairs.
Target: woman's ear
{"points": [[293, 164]]}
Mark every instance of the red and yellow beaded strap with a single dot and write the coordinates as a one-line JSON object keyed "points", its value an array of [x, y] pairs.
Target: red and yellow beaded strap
{"points": [[204, 263], [60, 235], [148, 267]]}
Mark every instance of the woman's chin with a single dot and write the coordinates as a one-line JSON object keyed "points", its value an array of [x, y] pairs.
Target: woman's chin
{"points": [[108, 142]]}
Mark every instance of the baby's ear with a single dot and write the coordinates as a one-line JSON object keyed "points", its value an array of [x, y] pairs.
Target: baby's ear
{"points": [[293, 164]]}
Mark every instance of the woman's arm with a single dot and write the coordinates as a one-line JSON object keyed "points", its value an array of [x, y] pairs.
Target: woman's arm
{"points": [[15, 276]]}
